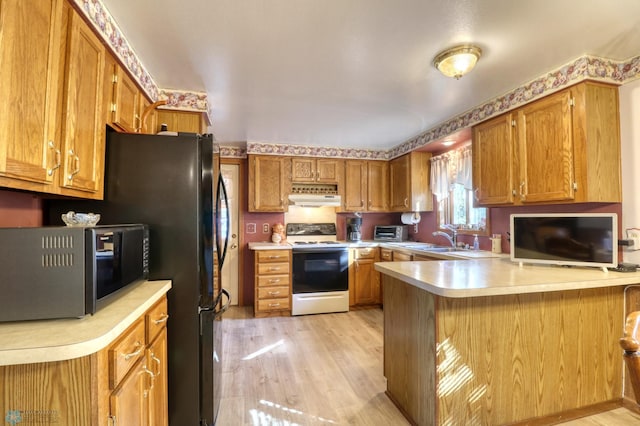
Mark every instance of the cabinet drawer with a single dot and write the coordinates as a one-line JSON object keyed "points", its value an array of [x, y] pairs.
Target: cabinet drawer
{"points": [[273, 304], [386, 254], [366, 253], [126, 352], [273, 255], [273, 280], [156, 319], [273, 268], [273, 292]]}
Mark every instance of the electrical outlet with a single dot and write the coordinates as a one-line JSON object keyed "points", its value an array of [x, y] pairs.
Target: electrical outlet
{"points": [[251, 228], [634, 235], [265, 228]]}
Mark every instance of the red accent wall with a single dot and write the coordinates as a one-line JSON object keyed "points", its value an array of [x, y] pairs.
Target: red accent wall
{"points": [[18, 209]]}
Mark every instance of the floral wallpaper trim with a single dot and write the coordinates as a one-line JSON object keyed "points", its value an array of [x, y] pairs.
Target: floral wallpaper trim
{"points": [[232, 152], [313, 151], [184, 100], [108, 29]]}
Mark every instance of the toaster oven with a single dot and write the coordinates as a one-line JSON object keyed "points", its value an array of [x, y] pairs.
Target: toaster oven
{"points": [[390, 233]]}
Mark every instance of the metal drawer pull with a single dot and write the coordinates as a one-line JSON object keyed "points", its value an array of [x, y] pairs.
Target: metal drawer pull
{"points": [[274, 280], [274, 305], [134, 354], [274, 293], [275, 257], [153, 379], [163, 318], [274, 268], [157, 361]]}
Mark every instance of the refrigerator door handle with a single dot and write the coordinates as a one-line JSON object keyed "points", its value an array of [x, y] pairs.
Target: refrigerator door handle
{"points": [[221, 194], [224, 308]]}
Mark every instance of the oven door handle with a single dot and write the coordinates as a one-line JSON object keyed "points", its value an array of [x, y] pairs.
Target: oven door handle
{"points": [[296, 250]]}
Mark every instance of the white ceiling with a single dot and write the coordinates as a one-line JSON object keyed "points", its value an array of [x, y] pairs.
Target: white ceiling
{"points": [[358, 73]]}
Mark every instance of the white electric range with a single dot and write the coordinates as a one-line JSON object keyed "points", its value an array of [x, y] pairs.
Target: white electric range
{"points": [[320, 281]]}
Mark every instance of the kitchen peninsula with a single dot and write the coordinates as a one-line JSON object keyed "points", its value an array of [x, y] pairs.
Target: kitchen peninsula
{"points": [[489, 342]]}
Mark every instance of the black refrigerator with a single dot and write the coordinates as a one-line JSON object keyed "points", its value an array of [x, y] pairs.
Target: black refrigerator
{"points": [[173, 184]]}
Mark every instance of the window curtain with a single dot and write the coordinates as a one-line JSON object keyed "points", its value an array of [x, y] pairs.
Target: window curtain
{"points": [[450, 168]]}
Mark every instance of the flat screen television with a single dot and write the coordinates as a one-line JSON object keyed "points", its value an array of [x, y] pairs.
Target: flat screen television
{"points": [[575, 239]]}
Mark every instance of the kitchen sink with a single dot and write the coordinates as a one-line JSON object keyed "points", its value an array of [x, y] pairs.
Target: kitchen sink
{"points": [[436, 249]]}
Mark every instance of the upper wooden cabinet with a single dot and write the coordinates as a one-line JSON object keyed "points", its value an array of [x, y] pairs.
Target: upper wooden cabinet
{"points": [[83, 118], [366, 186], [30, 48], [563, 148], [409, 183], [126, 102], [269, 183], [180, 121], [377, 186], [52, 134], [494, 143], [316, 170]]}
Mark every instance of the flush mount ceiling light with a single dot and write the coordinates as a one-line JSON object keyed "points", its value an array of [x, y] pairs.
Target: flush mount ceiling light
{"points": [[457, 61]]}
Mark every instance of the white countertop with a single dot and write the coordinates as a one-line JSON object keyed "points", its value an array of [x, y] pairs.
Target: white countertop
{"points": [[26, 342], [269, 246], [499, 276]]}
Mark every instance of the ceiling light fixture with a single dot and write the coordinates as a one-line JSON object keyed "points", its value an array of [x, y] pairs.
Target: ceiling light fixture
{"points": [[448, 142], [458, 60]]}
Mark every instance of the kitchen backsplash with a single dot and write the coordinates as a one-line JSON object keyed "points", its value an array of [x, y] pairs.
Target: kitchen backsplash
{"points": [[19, 209]]}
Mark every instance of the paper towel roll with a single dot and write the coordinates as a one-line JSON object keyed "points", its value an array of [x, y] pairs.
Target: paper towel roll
{"points": [[410, 218]]}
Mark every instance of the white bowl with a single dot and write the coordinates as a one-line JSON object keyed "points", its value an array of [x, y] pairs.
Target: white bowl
{"points": [[80, 219]]}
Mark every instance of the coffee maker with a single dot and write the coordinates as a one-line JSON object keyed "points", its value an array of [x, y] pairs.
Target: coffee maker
{"points": [[354, 224]]}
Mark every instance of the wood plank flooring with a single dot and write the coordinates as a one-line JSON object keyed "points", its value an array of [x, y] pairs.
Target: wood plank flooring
{"points": [[317, 370]]}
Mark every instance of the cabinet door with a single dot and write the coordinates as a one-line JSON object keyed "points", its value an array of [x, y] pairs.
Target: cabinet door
{"points": [[355, 183], [400, 184], [158, 395], [546, 150], [377, 186], [126, 102], [328, 171], [179, 121], [268, 183], [367, 285], [30, 67], [494, 144], [303, 170], [84, 130], [130, 401]]}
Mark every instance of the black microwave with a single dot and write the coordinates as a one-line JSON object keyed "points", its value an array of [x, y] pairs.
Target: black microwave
{"points": [[63, 272]]}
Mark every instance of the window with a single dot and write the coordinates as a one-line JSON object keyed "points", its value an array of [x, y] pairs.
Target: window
{"points": [[451, 184]]}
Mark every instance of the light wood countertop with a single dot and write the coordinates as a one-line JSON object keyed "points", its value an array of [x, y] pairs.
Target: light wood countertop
{"points": [[28, 342], [499, 276]]}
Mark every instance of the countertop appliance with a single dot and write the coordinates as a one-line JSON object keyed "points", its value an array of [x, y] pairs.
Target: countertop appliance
{"points": [[173, 184], [320, 282], [390, 233], [65, 272], [354, 226]]}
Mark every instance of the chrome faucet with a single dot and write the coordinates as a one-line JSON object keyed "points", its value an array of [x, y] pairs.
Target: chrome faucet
{"points": [[451, 238]]}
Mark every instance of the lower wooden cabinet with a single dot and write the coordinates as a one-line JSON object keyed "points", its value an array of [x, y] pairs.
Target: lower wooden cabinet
{"points": [[272, 282], [123, 384], [138, 371], [364, 280]]}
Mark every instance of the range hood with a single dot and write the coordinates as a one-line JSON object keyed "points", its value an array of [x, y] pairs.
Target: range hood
{"points": [[314, 200]]}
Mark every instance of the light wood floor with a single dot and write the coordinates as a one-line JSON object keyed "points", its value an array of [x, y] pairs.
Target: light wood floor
{"points": [[317, 370]]}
